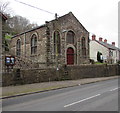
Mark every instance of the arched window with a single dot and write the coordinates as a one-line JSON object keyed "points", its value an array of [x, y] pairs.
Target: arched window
{"points": [[18, 47], [83, 46], [57, 47], [34, 44], [70, 37]]}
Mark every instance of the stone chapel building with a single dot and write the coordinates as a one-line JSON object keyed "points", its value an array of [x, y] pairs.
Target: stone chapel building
{"points": [[62, 41]]}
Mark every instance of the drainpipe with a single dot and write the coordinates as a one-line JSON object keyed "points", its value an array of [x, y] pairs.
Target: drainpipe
{"points": [[47, 44], [25, 44]]}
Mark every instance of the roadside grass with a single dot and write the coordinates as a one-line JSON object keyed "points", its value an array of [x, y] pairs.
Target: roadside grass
{"points": [[31, 90], [28, 90], [99, 63]]}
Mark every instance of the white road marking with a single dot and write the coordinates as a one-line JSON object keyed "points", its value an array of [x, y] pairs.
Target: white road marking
{"points": [[114, 89], [81, 100]]}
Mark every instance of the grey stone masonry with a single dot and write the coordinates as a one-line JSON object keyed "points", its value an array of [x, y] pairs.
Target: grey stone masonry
{"points": [[45, 54]]}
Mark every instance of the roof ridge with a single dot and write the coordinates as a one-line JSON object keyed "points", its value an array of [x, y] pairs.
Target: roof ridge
{"points": [[29, 30], [107, 45], [39, 26]]}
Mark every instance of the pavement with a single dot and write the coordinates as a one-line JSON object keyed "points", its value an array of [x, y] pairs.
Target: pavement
{"points": [[98, 96], [20, 90]]}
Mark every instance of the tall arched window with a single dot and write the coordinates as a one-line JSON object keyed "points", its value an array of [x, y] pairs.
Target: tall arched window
{"points": [[70, 37], [34, 44], [57, 47], [83, 46], [18, 47]]}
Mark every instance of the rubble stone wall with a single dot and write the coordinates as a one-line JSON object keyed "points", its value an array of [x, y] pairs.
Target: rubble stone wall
{"points": [[64, 73]]}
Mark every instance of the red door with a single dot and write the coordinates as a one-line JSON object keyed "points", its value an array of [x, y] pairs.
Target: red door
{"points": [[70, 56]]}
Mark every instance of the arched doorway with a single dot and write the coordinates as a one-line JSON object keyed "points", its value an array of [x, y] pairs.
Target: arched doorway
{"points": [[99, 57], [70, 56]]}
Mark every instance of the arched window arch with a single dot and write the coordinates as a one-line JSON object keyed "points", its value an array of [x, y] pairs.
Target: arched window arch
{"points": [[57, 44], [83, 46], [33, 44], [70, 37], [18, 47]]}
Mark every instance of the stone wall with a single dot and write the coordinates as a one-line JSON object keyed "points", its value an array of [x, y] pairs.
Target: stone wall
{"points": [[25, 39], [90, 71], [64, 73], [65, 24], [45, 54]]}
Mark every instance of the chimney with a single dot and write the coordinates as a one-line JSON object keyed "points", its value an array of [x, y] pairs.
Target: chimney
{"points": [[113, 43], [105, 40], [56, 16], [93, 37], [100, 39]]}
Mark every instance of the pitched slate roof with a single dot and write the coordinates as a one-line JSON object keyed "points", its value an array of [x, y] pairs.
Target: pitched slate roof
{"points": [[29, 31], [109, 46], [70, 13]]}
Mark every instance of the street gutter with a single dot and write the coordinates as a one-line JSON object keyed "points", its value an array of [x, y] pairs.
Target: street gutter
{"points": [[55, 88]]}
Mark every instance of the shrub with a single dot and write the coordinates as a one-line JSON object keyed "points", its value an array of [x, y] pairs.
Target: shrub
{"points": [[118, 62], [92, 61]]}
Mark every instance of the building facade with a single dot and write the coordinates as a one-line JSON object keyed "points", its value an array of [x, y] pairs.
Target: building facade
{"points": [[3, 20], [63, 41], [109, 52]]}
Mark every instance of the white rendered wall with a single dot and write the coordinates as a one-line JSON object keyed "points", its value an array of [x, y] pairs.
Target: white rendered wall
{"points": [[95, 47]]}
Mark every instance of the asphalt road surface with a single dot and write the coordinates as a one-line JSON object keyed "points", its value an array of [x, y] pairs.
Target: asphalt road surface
{"points": [[99, 96]]}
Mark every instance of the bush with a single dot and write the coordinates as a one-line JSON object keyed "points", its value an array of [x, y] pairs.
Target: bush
{"points": [[118, 62], [92, 61]]}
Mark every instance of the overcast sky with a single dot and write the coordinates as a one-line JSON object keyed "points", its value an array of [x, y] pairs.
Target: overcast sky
{"points": [[99, 17]]}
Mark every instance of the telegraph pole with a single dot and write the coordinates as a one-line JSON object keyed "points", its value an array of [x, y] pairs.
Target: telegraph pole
{"points": [[1, 50]]}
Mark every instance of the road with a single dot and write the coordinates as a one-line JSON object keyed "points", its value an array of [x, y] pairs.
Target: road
{"points": [[99, 96]]}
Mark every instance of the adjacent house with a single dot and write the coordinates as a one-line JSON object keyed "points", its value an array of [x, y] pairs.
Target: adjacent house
{"points": [[62, 41], [109, 52], [3, 20]]}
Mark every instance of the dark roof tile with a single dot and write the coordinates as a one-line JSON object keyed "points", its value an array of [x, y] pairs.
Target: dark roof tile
{"points": [[109, 46]]}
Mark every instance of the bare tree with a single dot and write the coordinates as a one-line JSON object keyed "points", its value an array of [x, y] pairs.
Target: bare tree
{"points": [[19, 24], [4, 7], [14, 24]]}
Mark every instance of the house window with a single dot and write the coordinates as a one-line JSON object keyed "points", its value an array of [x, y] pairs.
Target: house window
{"points": [[110, 53], [57, 47], [83, 47], [34, 44], [70, 37], [18, 47], [116, 53]]}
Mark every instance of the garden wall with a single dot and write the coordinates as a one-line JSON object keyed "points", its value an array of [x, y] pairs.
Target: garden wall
{"points": [[18, 76]]}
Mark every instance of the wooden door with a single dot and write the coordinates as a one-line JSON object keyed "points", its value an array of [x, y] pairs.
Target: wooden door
{"points": [[70, 56]]}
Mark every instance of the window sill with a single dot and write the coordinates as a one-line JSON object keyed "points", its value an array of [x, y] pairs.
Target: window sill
{"points": [[33, 55]]}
